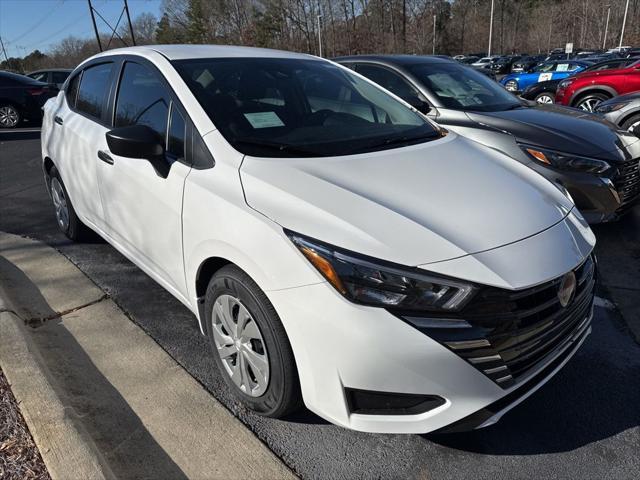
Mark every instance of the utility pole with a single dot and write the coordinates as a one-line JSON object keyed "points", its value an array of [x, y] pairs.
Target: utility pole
{"points": [[490, 29], [624, 23], [95, 27], [319, 35], [3, 50], [434, 35], [126, 9], [606, 27]]}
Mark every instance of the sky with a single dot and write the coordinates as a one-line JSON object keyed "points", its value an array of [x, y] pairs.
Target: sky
{"points": [[26, 25]]}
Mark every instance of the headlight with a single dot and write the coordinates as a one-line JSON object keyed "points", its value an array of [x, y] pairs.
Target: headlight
{"points": [[565, 161], [611, 107], [565, 83], [511, 85], [376, 283]]}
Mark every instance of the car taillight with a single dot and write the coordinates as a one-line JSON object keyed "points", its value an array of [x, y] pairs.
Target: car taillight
{"points": [[37, 91]]}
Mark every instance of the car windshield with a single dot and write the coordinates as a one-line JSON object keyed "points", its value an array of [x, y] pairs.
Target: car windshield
{"points": [[462, 88], [275, 107]]}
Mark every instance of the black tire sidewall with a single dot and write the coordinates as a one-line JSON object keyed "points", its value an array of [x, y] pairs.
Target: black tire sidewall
{"points": [[75, 228], [233, 281], [630, 121]]}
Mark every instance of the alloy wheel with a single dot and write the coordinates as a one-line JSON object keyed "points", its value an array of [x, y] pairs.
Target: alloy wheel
{"points": [[240, 345], [544, 99], [633, 126], [60, 204], [9, 116], [589, 104]]}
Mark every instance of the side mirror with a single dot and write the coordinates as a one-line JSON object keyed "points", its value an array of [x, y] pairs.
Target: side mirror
{"points": [[139, 141], [420, 105]]}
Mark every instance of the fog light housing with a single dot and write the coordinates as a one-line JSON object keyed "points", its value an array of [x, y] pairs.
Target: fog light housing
{"points": [[367, 402]]}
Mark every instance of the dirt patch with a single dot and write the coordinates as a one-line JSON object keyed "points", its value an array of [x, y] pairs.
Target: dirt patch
{"points": [[19, 456]]}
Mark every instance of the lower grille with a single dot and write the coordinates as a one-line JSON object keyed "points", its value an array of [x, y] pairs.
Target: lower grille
{"points": [[627, 182], [511, 334]]}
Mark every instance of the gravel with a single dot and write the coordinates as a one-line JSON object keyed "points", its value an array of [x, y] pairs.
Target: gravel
{"points": [[19, 456]]}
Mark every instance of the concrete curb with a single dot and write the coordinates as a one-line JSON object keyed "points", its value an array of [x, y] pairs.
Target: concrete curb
{"points": [[101, 398], [64, 447]]}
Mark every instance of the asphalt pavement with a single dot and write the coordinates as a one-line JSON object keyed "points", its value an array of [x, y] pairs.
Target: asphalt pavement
{"points": [[585, 423]]}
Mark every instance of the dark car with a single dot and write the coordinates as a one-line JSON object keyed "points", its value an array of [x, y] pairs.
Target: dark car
{"points": [[525, 64], [55, 77], [581, 153], [21, 99], [624, 111], [545, 92], [504, 64]]}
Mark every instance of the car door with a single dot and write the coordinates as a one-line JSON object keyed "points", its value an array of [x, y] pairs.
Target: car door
{"points": [[632, 80], [143, 207], [80, 121]]}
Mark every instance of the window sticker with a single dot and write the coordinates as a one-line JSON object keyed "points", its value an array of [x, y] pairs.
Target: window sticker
{"points": [[264, 119], [562, 67], [545, 76]]}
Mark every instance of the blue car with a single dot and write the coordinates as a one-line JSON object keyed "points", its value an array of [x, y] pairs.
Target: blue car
{"points": [[555, 70]]}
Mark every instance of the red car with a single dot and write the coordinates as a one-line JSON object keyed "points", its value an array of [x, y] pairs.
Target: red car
{"points": [[587, 89]]}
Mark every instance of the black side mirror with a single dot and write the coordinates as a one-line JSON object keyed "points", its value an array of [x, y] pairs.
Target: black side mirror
{"points": [[139, 141], [420, 105]]}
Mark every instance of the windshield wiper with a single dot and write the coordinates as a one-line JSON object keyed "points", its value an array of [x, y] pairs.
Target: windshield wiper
{"points": [[280, 147], [403, 139]]}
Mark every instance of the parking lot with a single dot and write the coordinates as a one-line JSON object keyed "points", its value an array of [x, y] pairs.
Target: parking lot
{"points": [[585, 423]]}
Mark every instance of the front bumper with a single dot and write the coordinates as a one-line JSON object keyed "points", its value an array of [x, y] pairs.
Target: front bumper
{"points": [[340, 346], [598, 198]]}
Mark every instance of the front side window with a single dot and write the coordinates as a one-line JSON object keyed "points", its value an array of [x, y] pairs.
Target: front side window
{"points": [[462, 88], [142, 100], [545, 67], [278, 107], [391, 81], [94, 89]]}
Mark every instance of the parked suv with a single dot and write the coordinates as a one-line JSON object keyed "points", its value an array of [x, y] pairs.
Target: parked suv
{"points": [[581, 153], [336, 246], [588, 89]]}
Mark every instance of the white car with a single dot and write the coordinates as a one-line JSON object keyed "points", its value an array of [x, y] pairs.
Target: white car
{"points": [[484, 61], [337, 248]]}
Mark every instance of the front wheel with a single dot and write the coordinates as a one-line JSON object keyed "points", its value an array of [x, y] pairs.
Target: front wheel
{"points": [[589, 102], [250, 346], [68, 221], [9, 116], [632, 124], [545, 98]]}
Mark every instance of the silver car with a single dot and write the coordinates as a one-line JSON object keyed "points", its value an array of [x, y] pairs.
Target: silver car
{"points": [[624, 111]]}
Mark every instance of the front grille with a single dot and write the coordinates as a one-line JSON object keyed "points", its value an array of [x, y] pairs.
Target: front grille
{"points": [[627, 182], [510, 334]]}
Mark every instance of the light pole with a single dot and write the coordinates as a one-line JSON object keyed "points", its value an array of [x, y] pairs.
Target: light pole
{"points": [[490, 29], [624, 22], [606, 27], [434, 35], [319, 36]]}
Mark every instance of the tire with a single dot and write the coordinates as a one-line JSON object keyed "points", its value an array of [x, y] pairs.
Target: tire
{"points": [[66, 217], [271, 392], [590, 101], [9, 116], [631, 124], [545, 98]]}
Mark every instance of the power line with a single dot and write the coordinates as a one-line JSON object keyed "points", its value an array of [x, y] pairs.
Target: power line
{"points": [[38, 23]]}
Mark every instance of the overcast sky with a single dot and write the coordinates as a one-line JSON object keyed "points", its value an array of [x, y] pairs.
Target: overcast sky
{"points": [[26, 25]]}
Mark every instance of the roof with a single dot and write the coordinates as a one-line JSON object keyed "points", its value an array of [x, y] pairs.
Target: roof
{"points": [[397, 59], [183, 52]]}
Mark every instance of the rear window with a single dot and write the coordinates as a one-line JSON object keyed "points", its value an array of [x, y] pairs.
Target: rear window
{"points": [[93, 90]]}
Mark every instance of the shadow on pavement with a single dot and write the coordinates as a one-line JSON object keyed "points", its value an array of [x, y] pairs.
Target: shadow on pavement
{"points": [[9, 135], [119, 434], [551, 421]]}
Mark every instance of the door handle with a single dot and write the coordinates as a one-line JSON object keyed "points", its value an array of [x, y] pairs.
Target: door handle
{"points": [[58, 120], [105, 157]]}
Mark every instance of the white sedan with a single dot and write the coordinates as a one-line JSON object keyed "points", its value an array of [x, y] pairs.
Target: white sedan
{"points": [[337, 248]]}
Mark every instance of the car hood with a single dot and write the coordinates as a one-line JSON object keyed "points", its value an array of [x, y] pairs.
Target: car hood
{"points": [[413, 205], [560, 128]]}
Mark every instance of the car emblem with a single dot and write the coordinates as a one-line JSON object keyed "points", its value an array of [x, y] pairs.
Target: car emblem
{"points": [[567, 289]]}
